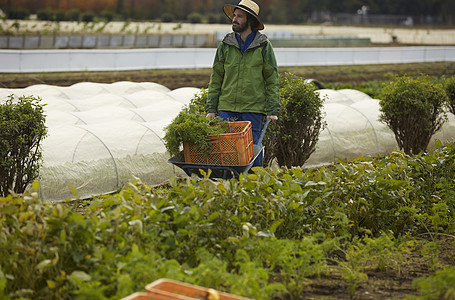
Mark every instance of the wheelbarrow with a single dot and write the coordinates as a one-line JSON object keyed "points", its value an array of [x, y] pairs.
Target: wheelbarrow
{"points": [[222, 171]]}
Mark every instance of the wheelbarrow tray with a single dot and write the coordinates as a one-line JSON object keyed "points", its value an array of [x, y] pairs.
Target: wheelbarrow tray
{"points": [[218, 171]]}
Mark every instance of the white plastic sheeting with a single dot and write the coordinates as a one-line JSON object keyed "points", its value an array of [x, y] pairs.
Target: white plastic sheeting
{"points": [[100, 135], [353, 128]]}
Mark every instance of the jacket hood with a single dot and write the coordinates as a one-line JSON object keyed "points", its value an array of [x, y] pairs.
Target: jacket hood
{"points": [[259, 40]]}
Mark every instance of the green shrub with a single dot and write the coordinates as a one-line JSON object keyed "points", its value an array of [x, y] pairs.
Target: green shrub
{"points": [[213, 18], [108, 15], [167, 17], [449, 85], [293, 138], [195, 17], [45, 14], [18, 14], [59, 15], [72, 15], [413, 108], [440, 285], [22, 129], [87, 17]]}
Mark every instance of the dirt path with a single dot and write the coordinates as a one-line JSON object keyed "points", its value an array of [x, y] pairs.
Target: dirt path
{"points": [[200, 77]]}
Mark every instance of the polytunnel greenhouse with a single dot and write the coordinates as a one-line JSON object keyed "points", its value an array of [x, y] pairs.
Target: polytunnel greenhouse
{"points": [[353, 128], [100, 136]]}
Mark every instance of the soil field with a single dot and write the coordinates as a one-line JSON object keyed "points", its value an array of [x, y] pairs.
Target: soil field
{"points": [[389, 283], [200, 77]]}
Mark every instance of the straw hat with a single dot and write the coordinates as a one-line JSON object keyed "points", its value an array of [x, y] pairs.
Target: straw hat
{"points": [[247, 5]]}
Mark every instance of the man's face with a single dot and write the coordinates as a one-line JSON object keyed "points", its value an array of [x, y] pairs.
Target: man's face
{"points": [[239, 21]]}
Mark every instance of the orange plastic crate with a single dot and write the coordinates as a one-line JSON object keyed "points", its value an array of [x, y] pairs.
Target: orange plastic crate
{"points": [[183, 291], [234, 148]]}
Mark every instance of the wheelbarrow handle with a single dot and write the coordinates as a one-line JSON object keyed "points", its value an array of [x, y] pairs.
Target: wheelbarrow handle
{"points": [[263, 131]]}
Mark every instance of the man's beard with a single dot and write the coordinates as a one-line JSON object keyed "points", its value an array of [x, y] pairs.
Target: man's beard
{"points": [[236, 27]]}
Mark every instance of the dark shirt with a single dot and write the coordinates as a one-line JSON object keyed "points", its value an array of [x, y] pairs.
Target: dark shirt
{"points": [[249, 39]]}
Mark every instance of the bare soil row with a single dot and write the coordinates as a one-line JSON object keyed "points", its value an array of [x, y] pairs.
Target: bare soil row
{"points": [[200, 77]]}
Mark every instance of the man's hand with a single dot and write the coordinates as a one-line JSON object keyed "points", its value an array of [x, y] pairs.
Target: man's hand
{"points": [[211, 115], [272, 118]]}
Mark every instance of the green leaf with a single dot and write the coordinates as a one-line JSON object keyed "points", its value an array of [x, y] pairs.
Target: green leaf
{"points": [[137, 224], [275, 225], [213, 216], [80, 276], [44, 264], [51, 284], [73, 190], [78, 219], [63, 235], [173, 181], [2, 282], [35, 185], [317, 200]]}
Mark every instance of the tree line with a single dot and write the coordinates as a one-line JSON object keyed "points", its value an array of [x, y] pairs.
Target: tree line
{"points": [[272, 11]]}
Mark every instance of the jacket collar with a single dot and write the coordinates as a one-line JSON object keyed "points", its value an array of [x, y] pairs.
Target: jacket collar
{"points": [[258, 41]]}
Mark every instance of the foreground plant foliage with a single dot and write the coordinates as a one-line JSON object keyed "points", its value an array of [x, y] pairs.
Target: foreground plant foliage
{"points": [[267, 235]]}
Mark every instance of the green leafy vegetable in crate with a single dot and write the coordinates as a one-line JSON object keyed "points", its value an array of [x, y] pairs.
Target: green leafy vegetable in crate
{"points": [[192, 126]]}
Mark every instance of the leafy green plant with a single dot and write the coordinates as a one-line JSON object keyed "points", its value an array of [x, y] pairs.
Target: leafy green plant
{"points": [[108, 15], [449, 85], [246, 277], [440, 285], [195, 17], [353, 268], [192, 126], [413, 108], [293, 138], [295, 260], [272, 234], [360, 255], [214, 18], [87, 17], [18, 13], [59, 15], [22, 130], [430, 251], [167, 17], [72, 15], [47, 14], [386, 252]]}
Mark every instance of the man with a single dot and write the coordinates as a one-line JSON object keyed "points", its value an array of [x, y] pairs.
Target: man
{"points": [[244, 81]]}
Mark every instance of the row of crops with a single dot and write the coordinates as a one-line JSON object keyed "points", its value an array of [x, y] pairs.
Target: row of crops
{"points": [[277, 233]]}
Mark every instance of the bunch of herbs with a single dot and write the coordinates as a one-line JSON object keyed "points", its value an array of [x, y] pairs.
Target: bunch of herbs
{"points": [[192, 126]]}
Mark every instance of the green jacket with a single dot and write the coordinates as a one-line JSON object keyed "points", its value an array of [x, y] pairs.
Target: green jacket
{"points": [[245, 82]]}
